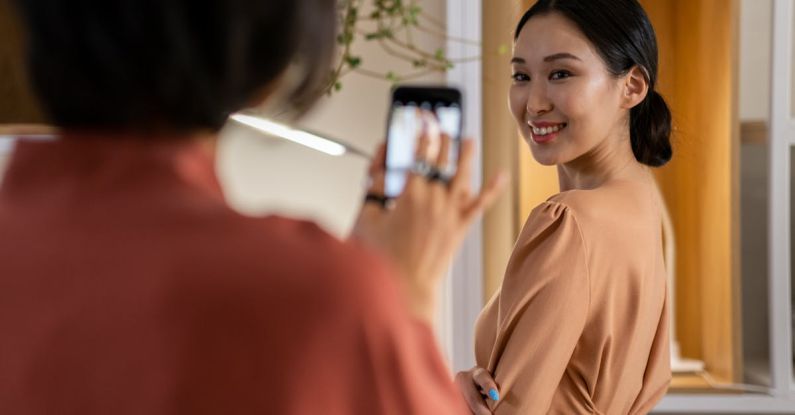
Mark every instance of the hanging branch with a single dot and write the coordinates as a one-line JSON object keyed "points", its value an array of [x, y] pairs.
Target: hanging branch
{"points": [[391, 24]]}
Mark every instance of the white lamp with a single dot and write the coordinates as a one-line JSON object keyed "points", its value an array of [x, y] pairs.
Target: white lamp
{"points": [[314, 141]]}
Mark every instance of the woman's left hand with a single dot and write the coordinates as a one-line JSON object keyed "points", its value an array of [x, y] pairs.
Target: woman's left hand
{"points": [[477, 386]]}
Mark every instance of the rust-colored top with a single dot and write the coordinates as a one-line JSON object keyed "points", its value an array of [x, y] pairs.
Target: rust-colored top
{"points": [[580, 324], [127, 286]]}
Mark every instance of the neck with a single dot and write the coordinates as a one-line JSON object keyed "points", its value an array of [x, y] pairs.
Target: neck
{"points": [[610, 160]]}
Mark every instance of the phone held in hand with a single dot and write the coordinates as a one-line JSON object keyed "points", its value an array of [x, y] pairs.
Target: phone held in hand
{"points": [[405, 126]]}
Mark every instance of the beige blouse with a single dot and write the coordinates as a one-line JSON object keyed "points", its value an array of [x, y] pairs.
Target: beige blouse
{"points": [[580, 323]]}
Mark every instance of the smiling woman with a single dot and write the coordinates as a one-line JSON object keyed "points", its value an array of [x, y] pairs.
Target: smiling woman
{"points": [[580, 324], [574, 67]]}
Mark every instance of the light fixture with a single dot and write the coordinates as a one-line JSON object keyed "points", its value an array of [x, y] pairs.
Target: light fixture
{"points": [[314, 141]]}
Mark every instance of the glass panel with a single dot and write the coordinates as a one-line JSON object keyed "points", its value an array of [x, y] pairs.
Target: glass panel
{"points": [[754, 268], [792, 245], [792, 61], [755, 58]]}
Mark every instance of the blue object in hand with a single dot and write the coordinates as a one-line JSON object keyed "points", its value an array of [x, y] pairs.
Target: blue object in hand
{"points": [[494, 395]]}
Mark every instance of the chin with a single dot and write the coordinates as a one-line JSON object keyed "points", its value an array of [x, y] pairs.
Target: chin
{"points": [[546, 161], [545, 157]]}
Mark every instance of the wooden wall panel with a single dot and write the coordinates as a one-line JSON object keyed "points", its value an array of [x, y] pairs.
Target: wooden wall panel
{"points": [[499, 138], [536, 184], [699, 79]]}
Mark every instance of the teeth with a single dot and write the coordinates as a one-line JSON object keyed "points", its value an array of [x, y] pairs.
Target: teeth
{"points": [[547, 130]]}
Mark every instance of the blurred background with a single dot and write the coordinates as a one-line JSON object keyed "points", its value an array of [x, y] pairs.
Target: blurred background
{"points": [[726, 71]]}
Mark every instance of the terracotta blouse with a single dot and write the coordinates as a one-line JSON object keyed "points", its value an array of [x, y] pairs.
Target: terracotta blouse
{"points": [[579, 325], [128, 286]]}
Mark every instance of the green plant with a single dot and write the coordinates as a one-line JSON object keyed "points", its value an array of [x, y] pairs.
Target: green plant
{"points": [[393, 24]]}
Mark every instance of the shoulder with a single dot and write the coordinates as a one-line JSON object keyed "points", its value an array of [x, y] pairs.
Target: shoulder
{"points": [[617, 209], [557, 240], [551, 239], [624, 191], [552, 220]]}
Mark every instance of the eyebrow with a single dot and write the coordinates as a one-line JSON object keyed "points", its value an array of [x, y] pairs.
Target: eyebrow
{"points": [[549, 58]]}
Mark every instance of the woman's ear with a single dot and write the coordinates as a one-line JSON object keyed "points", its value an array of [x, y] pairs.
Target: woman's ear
{"points": [[636, 86]]}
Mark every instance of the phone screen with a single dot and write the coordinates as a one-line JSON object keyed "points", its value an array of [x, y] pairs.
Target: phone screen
{"points": [[405, 127]]}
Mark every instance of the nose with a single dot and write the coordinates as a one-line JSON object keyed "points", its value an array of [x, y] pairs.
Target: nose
{"points": [[538, 102]]}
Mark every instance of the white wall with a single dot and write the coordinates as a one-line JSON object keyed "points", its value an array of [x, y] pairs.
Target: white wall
{"points": [[755, 23], [264, 175]]}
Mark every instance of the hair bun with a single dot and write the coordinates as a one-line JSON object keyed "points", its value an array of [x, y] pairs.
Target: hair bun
{"points": [[650, 130]]}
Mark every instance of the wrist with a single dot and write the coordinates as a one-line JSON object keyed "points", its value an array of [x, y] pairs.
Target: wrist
{"points": [[421, 301]]}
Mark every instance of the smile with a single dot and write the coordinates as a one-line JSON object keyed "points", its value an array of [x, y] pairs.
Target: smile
{"points": [[542, 131]]}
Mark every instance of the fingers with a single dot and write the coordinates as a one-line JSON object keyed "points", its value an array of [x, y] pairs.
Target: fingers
{"points": [[377, 171], [461, 183], [486, 383], [433, 131], [487, 196], [443, 159], [432, 147], [440, 177], [375, 185], [472, 396], [423, 147], [378, 162], [463, 177], [420, 155]]}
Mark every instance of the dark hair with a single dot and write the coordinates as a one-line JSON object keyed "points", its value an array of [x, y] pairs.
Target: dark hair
{"points": [[173, 64], [623, 36]]}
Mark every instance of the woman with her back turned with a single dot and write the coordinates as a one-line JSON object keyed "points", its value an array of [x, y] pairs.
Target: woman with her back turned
{"points": [[579, 325], [129, 286]]}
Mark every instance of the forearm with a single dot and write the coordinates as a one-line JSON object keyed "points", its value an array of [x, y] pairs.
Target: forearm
{"points": [[421, 302]]}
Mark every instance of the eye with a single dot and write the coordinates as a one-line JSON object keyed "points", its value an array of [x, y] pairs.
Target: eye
{"points": [[520, 77], [558, 75]]}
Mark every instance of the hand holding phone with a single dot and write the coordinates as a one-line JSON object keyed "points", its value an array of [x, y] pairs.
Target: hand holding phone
{"points": [[428, 220]]}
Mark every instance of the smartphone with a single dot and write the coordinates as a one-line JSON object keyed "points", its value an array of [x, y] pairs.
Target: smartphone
{"points": [[405, 125]]}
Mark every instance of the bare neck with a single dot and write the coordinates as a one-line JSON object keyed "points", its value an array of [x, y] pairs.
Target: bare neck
{"points": [[611, 160]]}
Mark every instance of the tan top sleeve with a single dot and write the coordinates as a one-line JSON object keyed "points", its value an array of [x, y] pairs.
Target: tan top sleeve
{"points": [[543, 307]]}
